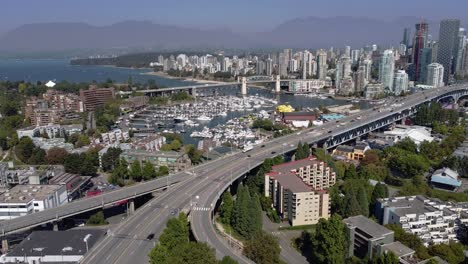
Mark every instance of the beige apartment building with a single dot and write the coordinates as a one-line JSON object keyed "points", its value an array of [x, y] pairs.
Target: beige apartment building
{"points": [[299, 190]]}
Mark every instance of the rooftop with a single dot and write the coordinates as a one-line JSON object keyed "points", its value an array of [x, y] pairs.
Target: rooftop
{"points": [[368, 226], [398, 249], [43, 243], [26, 193]]}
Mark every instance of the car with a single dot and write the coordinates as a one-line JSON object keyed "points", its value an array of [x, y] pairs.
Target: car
{"points": [[352, 120], [150, 236], [329, 131], [262, 146], [249, 156], [337, 121], [273, 152]]}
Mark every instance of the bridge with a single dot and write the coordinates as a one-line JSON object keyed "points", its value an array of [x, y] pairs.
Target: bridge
{"points": [[242, 84], [201, 188]]}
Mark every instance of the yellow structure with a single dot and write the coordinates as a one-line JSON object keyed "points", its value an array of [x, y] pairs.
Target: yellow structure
{"points": [[352, 153], [285, 109]]}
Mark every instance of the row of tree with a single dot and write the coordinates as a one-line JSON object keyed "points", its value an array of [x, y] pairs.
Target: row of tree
{"points": [[175, 246], [123, 175], [244, 214]]}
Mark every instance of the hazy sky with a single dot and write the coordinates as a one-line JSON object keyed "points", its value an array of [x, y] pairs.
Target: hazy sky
{"points": [[239, 15]]}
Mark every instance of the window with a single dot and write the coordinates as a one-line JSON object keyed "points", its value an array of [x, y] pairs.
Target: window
{"points": [[36, 204]]}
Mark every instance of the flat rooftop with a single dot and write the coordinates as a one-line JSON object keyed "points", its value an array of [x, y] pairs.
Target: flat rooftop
{"points": [[398, 249], [26, 193], [368, 226], [43, 243]]}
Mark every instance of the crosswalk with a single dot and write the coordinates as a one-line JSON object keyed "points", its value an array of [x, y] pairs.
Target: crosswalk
{"points": [[201, 208]]}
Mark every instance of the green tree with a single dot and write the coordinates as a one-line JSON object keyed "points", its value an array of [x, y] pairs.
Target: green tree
{"points": [[452, 253], [194, 154], [135, 171], [226, 208], [329, 243], [380, 191], [387, 258], [38, 157], [363, 201], [350, 172], [148, 172], [410, 240], [227, 260], [24, 149], [240, 219], [351, 204], [300, 154], [97, 219], [162, 170], [194, 253], [110, 159], [263, 248], [306, 150]]}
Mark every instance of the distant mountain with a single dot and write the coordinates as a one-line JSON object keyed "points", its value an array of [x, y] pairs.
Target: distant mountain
{"points": [[309, 32], [318, 32]]}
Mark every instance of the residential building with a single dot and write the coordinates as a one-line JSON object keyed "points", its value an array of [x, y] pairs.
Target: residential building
{"points": [[308, 86], [322, 65], [150, 143], [432, 220], [61, 101], [135, 103], [369, 239], [175, 161], [95, 97], [299, 190], [360, 79], [435, 75], [27, 199], [448, 45], [425, 58], [54, 246], [400, 82], [374, 91], [52, 131], [446, 179], [386, 69], [419, 43], [459, 59], [115, 136], [343, 70]]}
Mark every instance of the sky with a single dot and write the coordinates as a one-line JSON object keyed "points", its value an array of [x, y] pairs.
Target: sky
{"points": [[237, 15]]}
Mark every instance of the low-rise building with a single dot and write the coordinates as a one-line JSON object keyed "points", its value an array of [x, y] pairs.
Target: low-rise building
{"points": [[115, 136], [76, 185], [46, 144], [299, 119], [445, 178], [27, 199], [417, 134], [95, 97], [299, 190], [134, 103], [369, 239], [356, 152], [175, 161], [52, 131], [374, 91], [150, 143], [54, 246], [431, 220], [308, 86]]}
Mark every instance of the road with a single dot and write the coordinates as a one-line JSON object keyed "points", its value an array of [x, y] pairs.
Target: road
{"points": [[207, 181]]}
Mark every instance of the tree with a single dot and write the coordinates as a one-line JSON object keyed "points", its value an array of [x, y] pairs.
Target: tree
{"points": [[38, 157], [329, 241], [351, 206], [350, 172], [226, 208], [363, 201], [83, 140], [97, 219], [162, 170], [194, 253], [300, 154], [195, 155], [306, 149], [56, 156], [380, 191], [135, 171], [410, 240], [227, 260], [254, 215], [24, 149], [452, 253], [408, 145], [387, 258], [72, 163], [148, 172], [110, 159], [263, 248]]}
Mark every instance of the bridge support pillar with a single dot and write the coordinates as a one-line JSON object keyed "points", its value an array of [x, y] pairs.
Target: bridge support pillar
{"points": [[131, 206], [244, 86], [277, 84], [193, 91], [55, 226], [4, 246]]}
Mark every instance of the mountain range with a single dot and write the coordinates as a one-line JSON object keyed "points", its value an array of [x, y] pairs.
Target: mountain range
{"points": [[308, 32]]}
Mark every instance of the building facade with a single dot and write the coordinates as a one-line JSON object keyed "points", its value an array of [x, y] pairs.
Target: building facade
{"points": [[299, 190], [386, 69], [448, 40], [435, 75], [95, 97]]}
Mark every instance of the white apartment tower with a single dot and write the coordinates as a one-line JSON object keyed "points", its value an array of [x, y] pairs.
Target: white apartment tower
{"points": [[435, 75]]}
